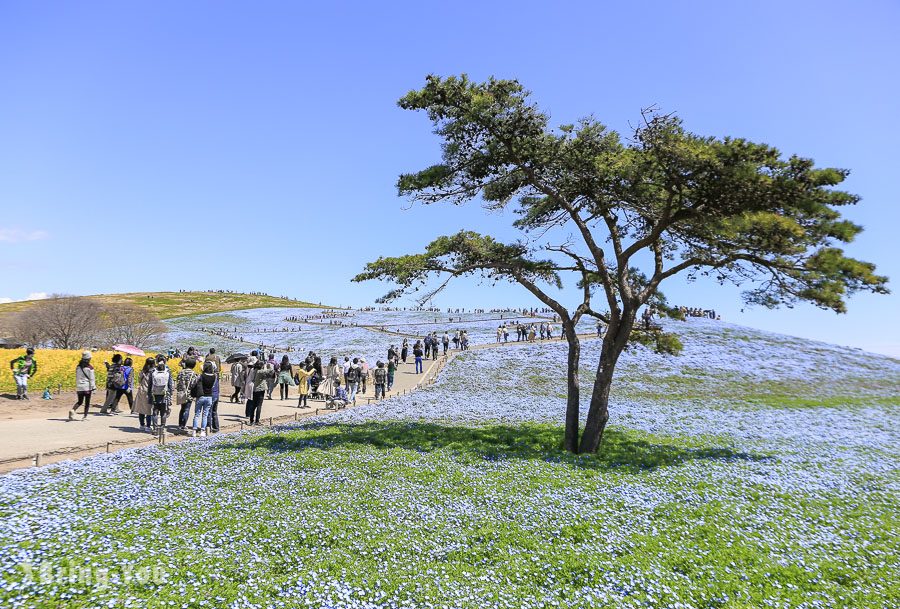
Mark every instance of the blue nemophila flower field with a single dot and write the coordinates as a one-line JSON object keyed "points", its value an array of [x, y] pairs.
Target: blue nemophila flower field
{"points": [[754, 471]]}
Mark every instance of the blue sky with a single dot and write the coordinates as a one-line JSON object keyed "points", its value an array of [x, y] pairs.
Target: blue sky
{"points": [[255, 146]]}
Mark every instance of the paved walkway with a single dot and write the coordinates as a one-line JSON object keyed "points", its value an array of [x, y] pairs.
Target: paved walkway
{"points": [[49, 436]]}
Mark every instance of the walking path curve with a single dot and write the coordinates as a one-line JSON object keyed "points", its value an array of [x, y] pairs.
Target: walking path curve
{"points": [[39, 430]]}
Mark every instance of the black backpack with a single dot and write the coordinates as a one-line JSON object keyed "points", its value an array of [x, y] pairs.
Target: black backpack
{"points": [[380, 374], [353, 374], [115, 378]]}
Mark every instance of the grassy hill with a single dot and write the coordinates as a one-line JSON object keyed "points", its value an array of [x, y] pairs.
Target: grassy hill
{"points": [[177, 304]]}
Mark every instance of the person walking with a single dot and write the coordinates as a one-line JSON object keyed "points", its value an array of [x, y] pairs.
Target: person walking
{"points": [[445, 341], [115, 382], [363, 374], [285, 377], [23, 368], [162, 386], [85, 384], [213, 424], [353, 380], [379, 377], [126, 388], [303, 376], [271, 381], [434, 346], [417, 353], [143, 400], [404, 350], [264, 373], [214, 358], [237, 381], [391, 371], [203, 390], [250, 385], [183, 392], [332, 375]]}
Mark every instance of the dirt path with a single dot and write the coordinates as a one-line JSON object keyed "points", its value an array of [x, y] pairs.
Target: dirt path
{"points": [[41, 427]]}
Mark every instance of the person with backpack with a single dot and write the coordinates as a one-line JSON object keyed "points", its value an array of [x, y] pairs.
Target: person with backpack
{"points": [[426, 343], [202, 392], [363, 374], [162, 386], [184, 385], [85, 385], [391, 371], [353, 380], [23, 368], [125, 388], [417, 354], [379, 377], [263, 372], [143, 400], [272, 380], [115, 382], [237, 380], [303, 384]]}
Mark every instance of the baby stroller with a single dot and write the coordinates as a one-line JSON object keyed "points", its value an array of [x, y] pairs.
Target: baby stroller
{"points": [[314, 381]]}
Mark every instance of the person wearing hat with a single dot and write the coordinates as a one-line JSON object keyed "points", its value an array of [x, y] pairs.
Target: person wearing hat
{"points": [[85, 384], [23, 368]]}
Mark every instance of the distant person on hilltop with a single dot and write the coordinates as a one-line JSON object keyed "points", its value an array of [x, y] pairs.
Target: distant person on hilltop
{"points": [[23, 368]]}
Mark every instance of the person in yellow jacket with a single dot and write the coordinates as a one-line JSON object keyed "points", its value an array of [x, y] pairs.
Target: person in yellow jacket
{"points": [[303, 374]]}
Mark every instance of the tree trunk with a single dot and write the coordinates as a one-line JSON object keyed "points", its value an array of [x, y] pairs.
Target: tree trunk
{"points": [[598, 413], [573, 391]]}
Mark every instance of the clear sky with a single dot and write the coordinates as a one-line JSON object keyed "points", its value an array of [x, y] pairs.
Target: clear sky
{"points": [[255, 146]]}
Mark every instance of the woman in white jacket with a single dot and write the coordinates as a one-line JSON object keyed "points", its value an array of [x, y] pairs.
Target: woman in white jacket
{"points": [[85, 384]]}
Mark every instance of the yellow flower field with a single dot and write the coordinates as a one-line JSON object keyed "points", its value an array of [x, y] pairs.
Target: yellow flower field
{"points": [[56, 367]]}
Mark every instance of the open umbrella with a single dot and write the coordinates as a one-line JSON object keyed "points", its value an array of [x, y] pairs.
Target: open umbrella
{"points": [[235, 357], [129, 349]]}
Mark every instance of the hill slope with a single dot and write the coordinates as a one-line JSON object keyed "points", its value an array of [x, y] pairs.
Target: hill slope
{"points": [[166, 305]]}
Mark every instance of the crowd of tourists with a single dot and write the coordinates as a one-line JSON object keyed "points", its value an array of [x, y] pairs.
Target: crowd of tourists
{"points": [[528, 332]]}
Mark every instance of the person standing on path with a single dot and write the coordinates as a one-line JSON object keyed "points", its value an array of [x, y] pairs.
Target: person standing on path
{"points": [[115, 382], [237, 380], [272, 380], [353, 380], [303, 376], [391, 371], [143, 401], [212, 357], [85, 384], [445, 341], [417, 353], [260, 384], [183, 396], [404, 350], [363, 374], [379, 376], [250, 385], [162, 386], [23, 368], [285, 377], [204, 392]]}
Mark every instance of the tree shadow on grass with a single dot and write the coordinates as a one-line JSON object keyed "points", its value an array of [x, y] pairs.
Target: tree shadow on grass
{"points": [[622, 450]]}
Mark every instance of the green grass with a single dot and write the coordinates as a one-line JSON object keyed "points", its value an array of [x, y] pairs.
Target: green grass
{"points": [[472, 517]]}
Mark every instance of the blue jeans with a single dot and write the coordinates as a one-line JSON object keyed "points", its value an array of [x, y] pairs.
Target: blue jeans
{"points": [[351, 391], [201, 411], [418, 364]]}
